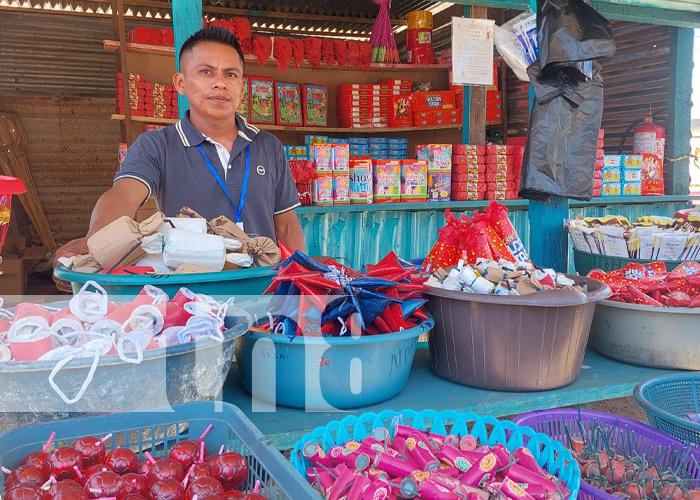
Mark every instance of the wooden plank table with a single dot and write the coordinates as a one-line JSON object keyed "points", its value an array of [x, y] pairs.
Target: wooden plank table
{"points": [[601, 378]]}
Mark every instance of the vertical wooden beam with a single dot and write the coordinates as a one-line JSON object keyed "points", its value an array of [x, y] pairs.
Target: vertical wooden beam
{"points": [[548, 240], [477, 118], [677, 176], [187, 20], [120, 32], [466, 98]]}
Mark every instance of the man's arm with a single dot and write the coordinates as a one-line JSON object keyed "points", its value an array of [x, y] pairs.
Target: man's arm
{"points": [[288, 230], [123, 198]]}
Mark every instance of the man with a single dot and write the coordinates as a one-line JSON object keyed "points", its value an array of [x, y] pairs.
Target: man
{"points": [[212, 160]]}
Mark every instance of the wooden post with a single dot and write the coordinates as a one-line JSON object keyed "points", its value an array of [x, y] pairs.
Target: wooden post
{"points": [[477, 122], [676, 173], [466, 98], [187, 20], [549, 244], [120, 33]]}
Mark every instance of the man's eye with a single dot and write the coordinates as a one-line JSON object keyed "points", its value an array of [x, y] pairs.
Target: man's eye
{"points": [[232, 75], [204, 71]]}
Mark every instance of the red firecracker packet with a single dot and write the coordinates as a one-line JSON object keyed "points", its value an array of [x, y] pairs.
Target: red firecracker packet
{"points": [[446, 251], [498, 248], [499, 220], [475, 245]]}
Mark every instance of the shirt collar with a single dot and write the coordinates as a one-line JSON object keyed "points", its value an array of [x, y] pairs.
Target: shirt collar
{"points": [[191, 137]]}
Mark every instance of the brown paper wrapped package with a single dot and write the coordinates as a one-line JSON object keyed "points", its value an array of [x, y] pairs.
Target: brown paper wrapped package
{"points": [[111, 243]]}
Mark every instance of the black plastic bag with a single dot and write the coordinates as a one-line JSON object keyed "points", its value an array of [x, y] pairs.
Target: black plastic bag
{"points": [[568, 107], [571, 31], [563, 136]]}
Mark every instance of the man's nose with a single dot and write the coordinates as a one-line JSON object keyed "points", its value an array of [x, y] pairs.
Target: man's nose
{"points": [[219, 81]]}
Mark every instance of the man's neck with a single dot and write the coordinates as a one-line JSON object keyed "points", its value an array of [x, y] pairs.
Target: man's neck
{"points": [[224, 133]]}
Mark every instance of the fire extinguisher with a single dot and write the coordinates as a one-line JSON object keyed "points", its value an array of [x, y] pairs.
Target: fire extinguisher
{"points": [[650, 137]]}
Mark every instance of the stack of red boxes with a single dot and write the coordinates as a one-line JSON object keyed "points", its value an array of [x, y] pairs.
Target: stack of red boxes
{"points": [[599, 164], [362, 105], [494, 101], [161, 100], [435, 108], [468, 172], [137, 94], [501, 178]]}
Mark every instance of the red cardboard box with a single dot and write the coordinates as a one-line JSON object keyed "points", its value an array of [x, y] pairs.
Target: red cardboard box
{"points": [[469, 149], [401, 111], [433, 100], [442, 117], [461, 187], [467, 196], [469, 159], [652, 175], [499, 149], [464, 168], [499, 159]]}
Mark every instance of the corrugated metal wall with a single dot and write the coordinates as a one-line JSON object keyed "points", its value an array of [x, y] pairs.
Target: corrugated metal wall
{"points": [[72, 155], [638, 75]]}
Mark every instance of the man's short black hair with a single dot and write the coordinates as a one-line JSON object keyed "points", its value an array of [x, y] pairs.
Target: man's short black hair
{"points": [[214, 34]]}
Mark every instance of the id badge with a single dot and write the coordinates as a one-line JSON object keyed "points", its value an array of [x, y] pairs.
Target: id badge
{"points": [[240, 224]]}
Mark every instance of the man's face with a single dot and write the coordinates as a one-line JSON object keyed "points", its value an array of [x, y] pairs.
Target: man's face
{"points": [[211, 76]]}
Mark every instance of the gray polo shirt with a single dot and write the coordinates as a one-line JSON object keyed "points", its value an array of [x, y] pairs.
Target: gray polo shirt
{"points": [[169, 163]]}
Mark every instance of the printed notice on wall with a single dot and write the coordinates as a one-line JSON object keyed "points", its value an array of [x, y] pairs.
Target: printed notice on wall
{"points": [[472, 51]]}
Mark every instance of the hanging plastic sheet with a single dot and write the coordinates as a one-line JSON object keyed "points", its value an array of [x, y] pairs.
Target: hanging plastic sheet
{"points": [[568, 107]]}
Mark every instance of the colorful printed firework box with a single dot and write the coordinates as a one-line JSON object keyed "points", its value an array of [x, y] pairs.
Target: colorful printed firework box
{"points": [[652, 175], [288, 104], [262, 100], [244, 107], [315, 105]]}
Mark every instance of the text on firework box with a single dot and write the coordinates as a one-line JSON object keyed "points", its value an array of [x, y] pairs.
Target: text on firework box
{"points": [[433, 100], [652, 175], [414, 180]]}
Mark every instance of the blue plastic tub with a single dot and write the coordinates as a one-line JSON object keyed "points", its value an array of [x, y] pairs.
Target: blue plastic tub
{"points": [[322, 373], [549, 453], [195, 371], [668, 400], [224, 283], [156, 431]]}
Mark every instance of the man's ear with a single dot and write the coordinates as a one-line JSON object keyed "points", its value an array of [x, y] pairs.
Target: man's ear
{"points": [[179, 83]]}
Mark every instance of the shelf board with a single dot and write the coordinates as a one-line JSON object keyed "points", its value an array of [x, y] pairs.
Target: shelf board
{"points": [[285, 128], [147, 119], [113, 46]]}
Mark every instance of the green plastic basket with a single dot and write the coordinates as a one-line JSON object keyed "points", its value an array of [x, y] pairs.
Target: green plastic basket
{"points": [[156, 431], [550, 454], [223, 283], [584, 262]]}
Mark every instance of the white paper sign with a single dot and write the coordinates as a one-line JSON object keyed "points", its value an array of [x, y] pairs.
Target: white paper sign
{"points": [[472, 51]]}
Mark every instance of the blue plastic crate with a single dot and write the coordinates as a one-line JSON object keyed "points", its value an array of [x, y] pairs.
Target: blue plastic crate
{"points": [[549, 453], [156, 431], [668, 400]]}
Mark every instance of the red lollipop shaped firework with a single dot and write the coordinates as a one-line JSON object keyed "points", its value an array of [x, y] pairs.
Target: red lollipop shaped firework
{"points": [[133, 496], [104, 484], [187, 452], [122, 461], [230, 469], [24, 492], [66, 484], [165, 469], [92, 449], [37, 458], [135, 483], [204, 487], [26, 474], [88, 472], [234, 495], [62, 462], [168, 489]]}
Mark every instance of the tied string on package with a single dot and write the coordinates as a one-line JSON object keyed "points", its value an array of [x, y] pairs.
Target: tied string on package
{"points": [[282, 52], [310, 298], [651, 285], [92, 326]]}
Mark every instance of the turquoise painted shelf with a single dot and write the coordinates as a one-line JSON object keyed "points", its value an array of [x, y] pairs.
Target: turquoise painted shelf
{"points": [[601, 378]]}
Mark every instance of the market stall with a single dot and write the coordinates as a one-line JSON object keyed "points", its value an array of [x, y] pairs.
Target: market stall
{"points": [[507, 328]]}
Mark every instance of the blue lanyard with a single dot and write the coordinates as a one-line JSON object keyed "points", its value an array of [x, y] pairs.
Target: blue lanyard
{"points": [[244, 188]]}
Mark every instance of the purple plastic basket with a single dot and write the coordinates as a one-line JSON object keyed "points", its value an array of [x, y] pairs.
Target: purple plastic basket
{"points": [[647, 440]]}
